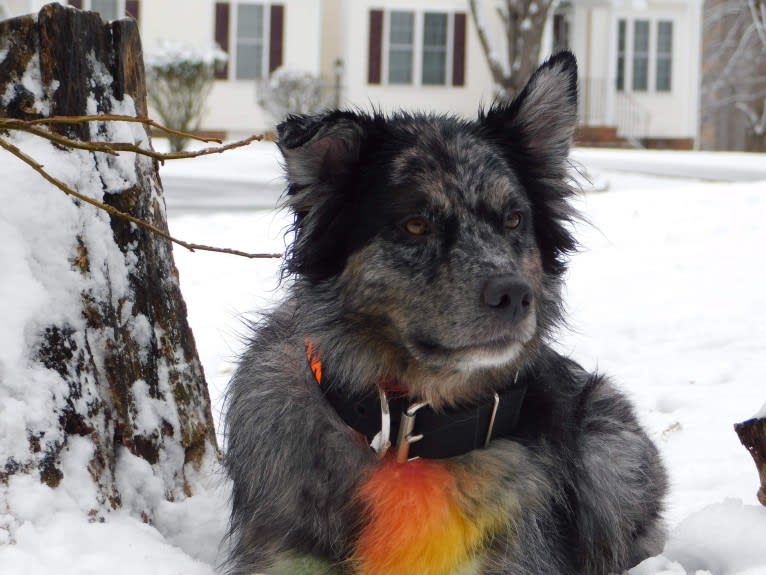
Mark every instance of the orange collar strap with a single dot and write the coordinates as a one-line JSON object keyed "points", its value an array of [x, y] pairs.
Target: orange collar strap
{"points": [[314, 362]]}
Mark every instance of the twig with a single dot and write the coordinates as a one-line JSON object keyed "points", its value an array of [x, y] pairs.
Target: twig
{"points": [[118, 213], [113, 148], [121, 118]]}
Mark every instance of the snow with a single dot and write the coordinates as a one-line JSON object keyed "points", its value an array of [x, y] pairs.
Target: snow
{"points": [[665, 296], [164, 53], [526, 25]]}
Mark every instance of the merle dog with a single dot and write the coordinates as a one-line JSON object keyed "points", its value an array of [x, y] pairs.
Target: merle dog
{"points": [[402, 412]]}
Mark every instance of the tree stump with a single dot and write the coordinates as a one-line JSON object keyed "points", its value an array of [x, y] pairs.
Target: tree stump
{"points": [[752, 434], [108, 375]]}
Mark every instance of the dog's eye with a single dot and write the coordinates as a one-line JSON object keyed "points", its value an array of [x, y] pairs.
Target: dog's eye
{"points": [[417, 226], [513, 221]]}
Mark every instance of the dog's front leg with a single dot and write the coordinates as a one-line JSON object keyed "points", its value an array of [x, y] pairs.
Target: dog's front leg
{"points": [[583, 498], [619, 483], [294, 465]]}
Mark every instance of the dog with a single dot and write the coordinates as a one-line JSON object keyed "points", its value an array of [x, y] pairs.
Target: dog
{"points": [[402, 411]]}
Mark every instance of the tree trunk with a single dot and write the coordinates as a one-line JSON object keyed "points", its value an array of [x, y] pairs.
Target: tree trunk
{"points": [[752, 434], [109, 368], [523, 24]]}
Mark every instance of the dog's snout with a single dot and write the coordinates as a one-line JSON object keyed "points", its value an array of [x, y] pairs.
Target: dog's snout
{"points": [[509, 294]]}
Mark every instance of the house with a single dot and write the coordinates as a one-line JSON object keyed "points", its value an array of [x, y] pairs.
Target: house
{"points": [[640, 64], [639, 59], [422, 55]]}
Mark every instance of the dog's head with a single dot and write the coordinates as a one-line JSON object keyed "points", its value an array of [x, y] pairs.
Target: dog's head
{"points": [[445, 237]]}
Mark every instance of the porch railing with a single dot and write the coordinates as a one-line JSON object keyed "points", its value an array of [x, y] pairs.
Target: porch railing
{"points": [[602, 105]]}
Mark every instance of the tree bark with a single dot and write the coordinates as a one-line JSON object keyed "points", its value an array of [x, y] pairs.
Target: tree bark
{"points": [[752, 434], [523, 23], [134, 386]]}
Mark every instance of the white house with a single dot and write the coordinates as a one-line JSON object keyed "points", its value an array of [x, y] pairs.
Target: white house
{"points": [[639, 59], [640, 65], [422, 55]]}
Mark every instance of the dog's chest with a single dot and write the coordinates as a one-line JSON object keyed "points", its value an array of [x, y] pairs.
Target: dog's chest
{"points": [[417, 521]]}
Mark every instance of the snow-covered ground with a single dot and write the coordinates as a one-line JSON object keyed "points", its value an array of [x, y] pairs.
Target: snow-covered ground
{"points": [[665, 296]]}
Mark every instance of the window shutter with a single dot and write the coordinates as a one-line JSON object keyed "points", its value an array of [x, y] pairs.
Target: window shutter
{"points": [[276, 29], [375, 53], [458, 47], [222, 35], [132, 9], [76, 4]]}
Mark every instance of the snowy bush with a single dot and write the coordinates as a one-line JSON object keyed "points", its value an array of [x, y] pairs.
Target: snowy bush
{"points": [[292, 92], [179, 81]]}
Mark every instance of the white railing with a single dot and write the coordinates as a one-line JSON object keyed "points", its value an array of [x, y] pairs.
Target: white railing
{"points": [[602, 105]]}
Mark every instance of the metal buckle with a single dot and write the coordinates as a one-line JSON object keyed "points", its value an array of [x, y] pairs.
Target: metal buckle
{"points": [[382, 441], [494, 413], [406, 425], [492, 420]]}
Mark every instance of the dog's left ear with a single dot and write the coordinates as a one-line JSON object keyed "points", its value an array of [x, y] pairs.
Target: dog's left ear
{"points": [[537, 128], [320, 148], [321, 154]]}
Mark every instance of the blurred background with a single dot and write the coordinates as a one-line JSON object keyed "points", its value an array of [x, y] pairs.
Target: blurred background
{"points": [[671, 74]]}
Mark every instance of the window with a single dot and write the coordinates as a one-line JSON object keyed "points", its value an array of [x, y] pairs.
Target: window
{"points": [[252, 34], [621, 30], [416, 48], [106, 8], [664, 56], [640, 55], [401, 47], [249, 44], [434, 49], [644, 56]]}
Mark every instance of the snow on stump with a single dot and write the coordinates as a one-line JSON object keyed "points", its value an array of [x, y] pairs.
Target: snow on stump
{"points": [[752, 434], [102, 395]]}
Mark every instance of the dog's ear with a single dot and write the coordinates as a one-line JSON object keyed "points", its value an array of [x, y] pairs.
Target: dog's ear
{"points": [[538, 126], [321, 148], [534, 133], [321, 154]]}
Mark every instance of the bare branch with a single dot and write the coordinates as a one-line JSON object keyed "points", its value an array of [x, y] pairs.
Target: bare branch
{"points": [[120, 118], [757, 124], [117, 213], [495, 67], [758, 14], [113, 148]]}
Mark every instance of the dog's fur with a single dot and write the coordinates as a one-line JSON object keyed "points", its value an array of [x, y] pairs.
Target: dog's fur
{"points": [[580, 490]]}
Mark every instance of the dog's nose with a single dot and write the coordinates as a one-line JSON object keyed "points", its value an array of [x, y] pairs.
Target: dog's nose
{"points": [[508, 294]]}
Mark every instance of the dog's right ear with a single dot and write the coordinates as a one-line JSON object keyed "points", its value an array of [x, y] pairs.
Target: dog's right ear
{"points": [[321, 154], [321, 148]]}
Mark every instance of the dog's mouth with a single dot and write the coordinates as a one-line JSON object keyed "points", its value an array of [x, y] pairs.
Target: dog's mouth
{"points": [[499, 344], [485, 353]]}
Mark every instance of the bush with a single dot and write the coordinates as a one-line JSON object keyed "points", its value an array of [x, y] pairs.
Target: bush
{"points": [[179, 81], [292, 92]]}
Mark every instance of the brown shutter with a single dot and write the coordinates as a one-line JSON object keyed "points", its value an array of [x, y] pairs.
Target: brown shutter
{"points": [[375, 53], [132, 9], [458, 53], [222, 35], [276, 28], [76, 4]]}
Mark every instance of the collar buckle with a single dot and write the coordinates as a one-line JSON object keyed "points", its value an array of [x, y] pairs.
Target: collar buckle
{"points": [[492, 417], [406, 427], [382, 440]]}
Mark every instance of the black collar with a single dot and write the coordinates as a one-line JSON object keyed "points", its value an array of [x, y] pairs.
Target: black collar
{"points": [[429, 433]]}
